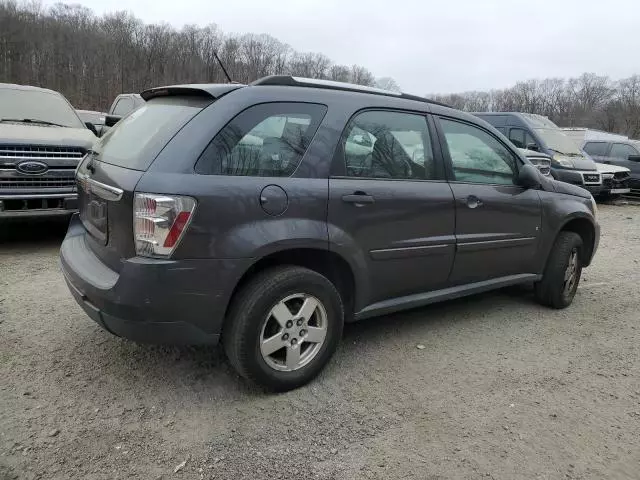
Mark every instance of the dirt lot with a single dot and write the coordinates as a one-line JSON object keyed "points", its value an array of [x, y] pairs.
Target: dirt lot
{"points": [[504, 389]]}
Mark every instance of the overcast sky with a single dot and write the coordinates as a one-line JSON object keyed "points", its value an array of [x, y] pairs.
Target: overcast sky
{"points": [[430, 46]]}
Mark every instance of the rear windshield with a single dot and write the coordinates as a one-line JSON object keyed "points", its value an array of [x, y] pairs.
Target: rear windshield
{"points": [[37, 105], [136, 140]]}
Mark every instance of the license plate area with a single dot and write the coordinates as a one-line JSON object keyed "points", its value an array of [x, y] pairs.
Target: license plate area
{"points": [[93, 213]]}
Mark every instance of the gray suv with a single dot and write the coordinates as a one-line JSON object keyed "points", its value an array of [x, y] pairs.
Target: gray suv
{"points": [[267, 215], [623, 153]]}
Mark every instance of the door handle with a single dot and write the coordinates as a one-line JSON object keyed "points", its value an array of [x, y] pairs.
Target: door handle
{"points": [[358, 198], [473, 202]]}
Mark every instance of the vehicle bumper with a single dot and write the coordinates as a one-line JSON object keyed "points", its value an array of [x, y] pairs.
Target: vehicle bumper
{"points": [[576, 177], [180, 302], [614, 186], [37, 205]]}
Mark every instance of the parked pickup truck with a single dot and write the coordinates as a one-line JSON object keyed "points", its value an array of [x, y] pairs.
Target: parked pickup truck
{"points": [[42, 140], [124, 104]]}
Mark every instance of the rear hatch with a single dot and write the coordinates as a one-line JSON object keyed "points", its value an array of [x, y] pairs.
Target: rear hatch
{"points": [[108, 175]]}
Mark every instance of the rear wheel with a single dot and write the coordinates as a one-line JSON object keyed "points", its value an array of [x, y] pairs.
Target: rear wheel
{"points": [[562, 273], [283, 327]]}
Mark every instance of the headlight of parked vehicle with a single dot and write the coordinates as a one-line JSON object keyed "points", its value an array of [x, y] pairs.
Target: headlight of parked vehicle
{"points": [[562, 161]]}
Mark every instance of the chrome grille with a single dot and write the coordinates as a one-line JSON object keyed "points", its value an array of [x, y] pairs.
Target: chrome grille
{"points": [[592, 178], [45, 181], [16, 153], [60, 161]]}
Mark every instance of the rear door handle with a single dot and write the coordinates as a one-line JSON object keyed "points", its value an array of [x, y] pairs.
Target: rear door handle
{"points": [[473, 202], [358, 198]]}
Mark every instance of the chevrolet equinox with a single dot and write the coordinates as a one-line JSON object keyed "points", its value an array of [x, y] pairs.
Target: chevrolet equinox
{"points": [[267, 215]]}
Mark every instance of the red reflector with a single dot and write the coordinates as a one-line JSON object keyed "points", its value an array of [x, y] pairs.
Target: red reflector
{"points": [[176, 229]]}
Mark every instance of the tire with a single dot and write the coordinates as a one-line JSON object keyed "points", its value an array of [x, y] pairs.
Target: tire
{"points": [[553, 290], [251, 320]]}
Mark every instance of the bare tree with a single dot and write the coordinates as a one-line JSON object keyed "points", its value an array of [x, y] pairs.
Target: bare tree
{"points": [[388, 83], [586, 101], [91, 59]]}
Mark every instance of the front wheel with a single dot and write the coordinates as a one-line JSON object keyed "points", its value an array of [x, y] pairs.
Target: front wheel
{"points": [[283, 327], [562, 274]]}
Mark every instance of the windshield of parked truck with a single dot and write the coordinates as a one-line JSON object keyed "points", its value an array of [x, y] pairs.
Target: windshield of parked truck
{"points": [[18, 104], [556, 140]]}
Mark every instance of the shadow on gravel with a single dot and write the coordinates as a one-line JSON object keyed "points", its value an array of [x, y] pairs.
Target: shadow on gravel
{"points": [[443, 314], [45, 232], [205, 369]]}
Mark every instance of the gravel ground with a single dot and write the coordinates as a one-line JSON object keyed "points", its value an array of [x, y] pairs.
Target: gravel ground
{"points": [[503, 389]]}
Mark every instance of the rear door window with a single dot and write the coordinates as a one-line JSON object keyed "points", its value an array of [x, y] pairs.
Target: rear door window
{"points": [[393, 145], [266, 140], [623, 151], [135, 141]]}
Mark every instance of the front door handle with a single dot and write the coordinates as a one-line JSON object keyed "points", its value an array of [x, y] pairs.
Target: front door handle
{"points": [[473, 202], [358, 198]]}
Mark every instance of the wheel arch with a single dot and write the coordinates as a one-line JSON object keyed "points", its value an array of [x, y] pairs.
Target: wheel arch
{"points": [[326, 262], [584, 227]]}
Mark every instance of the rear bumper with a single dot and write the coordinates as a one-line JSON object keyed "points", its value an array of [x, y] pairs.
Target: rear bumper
{"points": [[180, 302]]}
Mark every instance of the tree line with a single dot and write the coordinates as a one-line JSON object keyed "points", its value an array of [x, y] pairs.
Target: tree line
{"points": [[91, 59], [590, 100]]}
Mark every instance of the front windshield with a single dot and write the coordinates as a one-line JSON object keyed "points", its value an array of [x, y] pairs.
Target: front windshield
{"points": [[18, 104], [556, 140]]}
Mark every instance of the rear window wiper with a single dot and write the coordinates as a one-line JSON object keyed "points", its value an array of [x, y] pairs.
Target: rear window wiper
{"points": [[30, 120]]}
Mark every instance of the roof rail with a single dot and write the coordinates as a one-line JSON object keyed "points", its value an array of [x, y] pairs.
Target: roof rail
{"points": [[291, 81]]}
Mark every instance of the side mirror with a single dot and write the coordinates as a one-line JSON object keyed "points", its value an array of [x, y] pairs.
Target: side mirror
{"points": [[111, 120], [529, 176], [634, 158], [92, 127], [532, 146]]}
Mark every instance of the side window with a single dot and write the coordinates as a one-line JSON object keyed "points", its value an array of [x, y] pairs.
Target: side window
{"points": [[620, 150], [521, 138], [516, 135], [266, 140], [528, 140], [476, 156], [124, 106], [381, 144], [596, 148], [502, 130]]}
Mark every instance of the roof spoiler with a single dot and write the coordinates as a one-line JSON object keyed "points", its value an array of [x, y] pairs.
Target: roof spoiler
{"points": [[212, 91]]}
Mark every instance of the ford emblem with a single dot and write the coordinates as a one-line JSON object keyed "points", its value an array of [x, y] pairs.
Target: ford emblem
{"points": [[32, 168]]}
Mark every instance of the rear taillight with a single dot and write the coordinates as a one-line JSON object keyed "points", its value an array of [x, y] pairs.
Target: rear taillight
{"points": [[159, 222]]}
